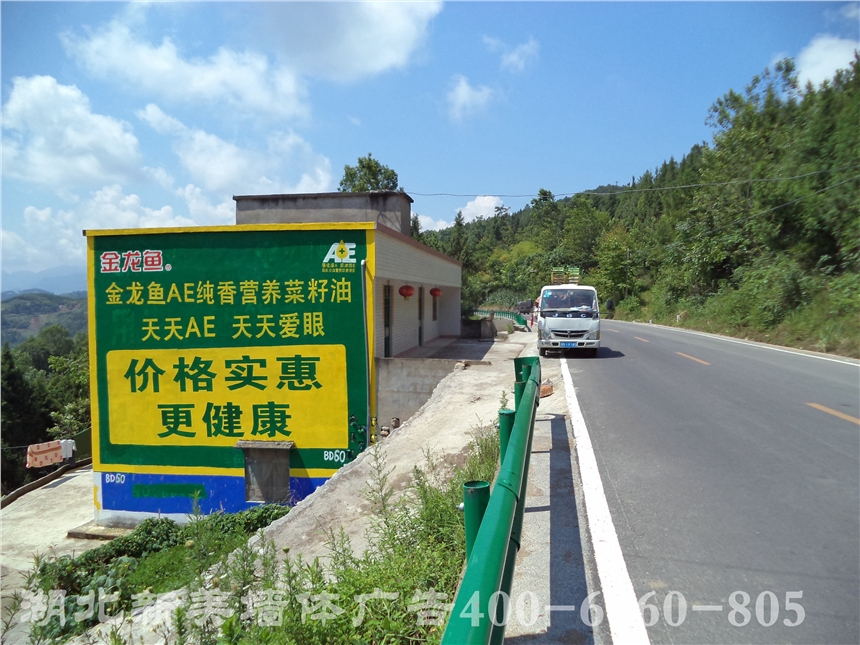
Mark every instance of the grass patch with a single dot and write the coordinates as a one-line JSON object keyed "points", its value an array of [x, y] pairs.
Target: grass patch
{"points": [[825, 318], [158, 556], [398, 591]]}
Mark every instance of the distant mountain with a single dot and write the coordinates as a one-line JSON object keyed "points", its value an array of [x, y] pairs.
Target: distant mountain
{"points": [[58, 280], [26, 314]]}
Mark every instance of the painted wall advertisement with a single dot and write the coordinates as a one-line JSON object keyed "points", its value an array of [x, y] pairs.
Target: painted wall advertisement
{"points": [[202, 338]]}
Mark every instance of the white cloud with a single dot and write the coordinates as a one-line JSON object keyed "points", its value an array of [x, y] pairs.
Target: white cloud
{"points": [[202, 210], [161, 122], [246, 81], [851, 11], [517, 59], [482, 206], [465, 100], [513, 59], [226, 168], [161, 177], [346, 41], [52, 137], [430, 224], [53, 237], [494, 44], [820, 59]]}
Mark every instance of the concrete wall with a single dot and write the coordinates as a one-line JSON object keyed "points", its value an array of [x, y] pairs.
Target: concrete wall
{"points": [[405, 384], [404, 332], [404, 315], [387, 207], [400, 261], [402, 258]]}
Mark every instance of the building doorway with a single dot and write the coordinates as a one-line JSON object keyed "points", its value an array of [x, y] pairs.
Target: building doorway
{"points": [[386, 319], [420, 316]]}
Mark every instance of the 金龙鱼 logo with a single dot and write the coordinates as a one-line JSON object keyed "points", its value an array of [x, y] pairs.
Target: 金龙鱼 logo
{"points": [[132, 261]]}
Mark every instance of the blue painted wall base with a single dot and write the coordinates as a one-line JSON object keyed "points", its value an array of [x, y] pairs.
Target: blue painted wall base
{"points": [[168, 494]]}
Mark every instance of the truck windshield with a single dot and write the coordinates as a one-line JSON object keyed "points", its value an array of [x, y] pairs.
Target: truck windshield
{"points": [[567, 299]]}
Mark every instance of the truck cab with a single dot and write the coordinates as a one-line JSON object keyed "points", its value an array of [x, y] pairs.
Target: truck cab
{"points": [[569, 319]]}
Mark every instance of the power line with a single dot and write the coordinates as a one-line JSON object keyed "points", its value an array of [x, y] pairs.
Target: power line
{"points": [[769, 210], [645, 190]]}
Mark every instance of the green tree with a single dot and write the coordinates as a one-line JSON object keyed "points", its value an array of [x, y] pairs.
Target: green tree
{"points": [[69, 388], [583, 227], [367, 175], [24, 417], [53, 340], [611, 276], [457, 243]]}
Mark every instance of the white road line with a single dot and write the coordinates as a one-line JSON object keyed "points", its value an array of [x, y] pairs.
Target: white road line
{"points": [[626, 626], [751, 343]]}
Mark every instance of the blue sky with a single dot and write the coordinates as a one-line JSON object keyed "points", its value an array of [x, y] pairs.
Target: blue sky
{"points": [[156, 114]]}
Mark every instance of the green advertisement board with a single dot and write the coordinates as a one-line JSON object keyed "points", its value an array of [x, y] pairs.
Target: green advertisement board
{"points": [[204, 337]]}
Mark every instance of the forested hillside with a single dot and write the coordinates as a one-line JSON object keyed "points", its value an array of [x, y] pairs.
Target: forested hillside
{"points": [[45, 396], [755, 234], [26, 314]]}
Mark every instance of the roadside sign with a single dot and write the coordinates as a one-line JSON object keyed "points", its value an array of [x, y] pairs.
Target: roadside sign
{"points": [[204, 337]]}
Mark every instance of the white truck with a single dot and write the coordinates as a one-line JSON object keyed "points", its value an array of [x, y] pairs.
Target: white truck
{"points": [[568, 319]]}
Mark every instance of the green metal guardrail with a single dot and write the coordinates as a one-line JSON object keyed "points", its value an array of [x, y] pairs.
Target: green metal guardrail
{"points": [[481, 607], [511, 315]]}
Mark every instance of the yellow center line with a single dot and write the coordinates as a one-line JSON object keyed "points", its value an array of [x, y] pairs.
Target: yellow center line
{"points": [[615, 330], [642, 339], [693, 358], [835, 413]]}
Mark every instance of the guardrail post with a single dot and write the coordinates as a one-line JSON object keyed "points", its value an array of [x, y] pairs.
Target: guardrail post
{"points": [[506, 425], [498, 537], [519, 388], [503, 600], [523, 367], [476, 495]]}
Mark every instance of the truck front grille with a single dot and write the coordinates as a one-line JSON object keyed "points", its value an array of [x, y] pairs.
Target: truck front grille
{"points": [[564, 333]]}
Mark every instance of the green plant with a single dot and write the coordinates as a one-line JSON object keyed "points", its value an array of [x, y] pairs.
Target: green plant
{"points": [[829, 336], [10, 614], [416, 544], [158, 556]]}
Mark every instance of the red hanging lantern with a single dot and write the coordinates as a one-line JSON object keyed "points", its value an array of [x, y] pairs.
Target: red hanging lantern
{"points": [[406, 290], [435, 292]]}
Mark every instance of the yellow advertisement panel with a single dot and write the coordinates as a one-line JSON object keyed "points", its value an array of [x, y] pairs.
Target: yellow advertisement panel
{"points": [[216, 397]]}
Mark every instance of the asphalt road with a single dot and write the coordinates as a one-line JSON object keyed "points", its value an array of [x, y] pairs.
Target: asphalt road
{"points": [[729, 492]]}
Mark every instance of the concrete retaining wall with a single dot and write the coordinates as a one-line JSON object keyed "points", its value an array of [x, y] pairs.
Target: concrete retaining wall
{"points": [[405, 384], [484, 329]]}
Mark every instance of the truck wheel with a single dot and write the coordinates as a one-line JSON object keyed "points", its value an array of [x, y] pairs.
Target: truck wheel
{"points": [[542, 351]]}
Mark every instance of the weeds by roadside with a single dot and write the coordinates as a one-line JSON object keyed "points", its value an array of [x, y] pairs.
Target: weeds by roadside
{"points": [[398, 591], [825, 318], [65, 596]]}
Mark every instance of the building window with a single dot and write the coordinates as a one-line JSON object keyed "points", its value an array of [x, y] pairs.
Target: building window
{"points": [[267, 470]]}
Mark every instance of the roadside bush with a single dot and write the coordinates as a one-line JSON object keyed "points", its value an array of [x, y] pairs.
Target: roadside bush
{"points": [[769, 290], [503, 299], [159, 555], [627, 307], [417, 545], [412, 565]]}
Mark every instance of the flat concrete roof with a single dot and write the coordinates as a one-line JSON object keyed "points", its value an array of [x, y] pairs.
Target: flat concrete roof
{"points": [[337, 194]]}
